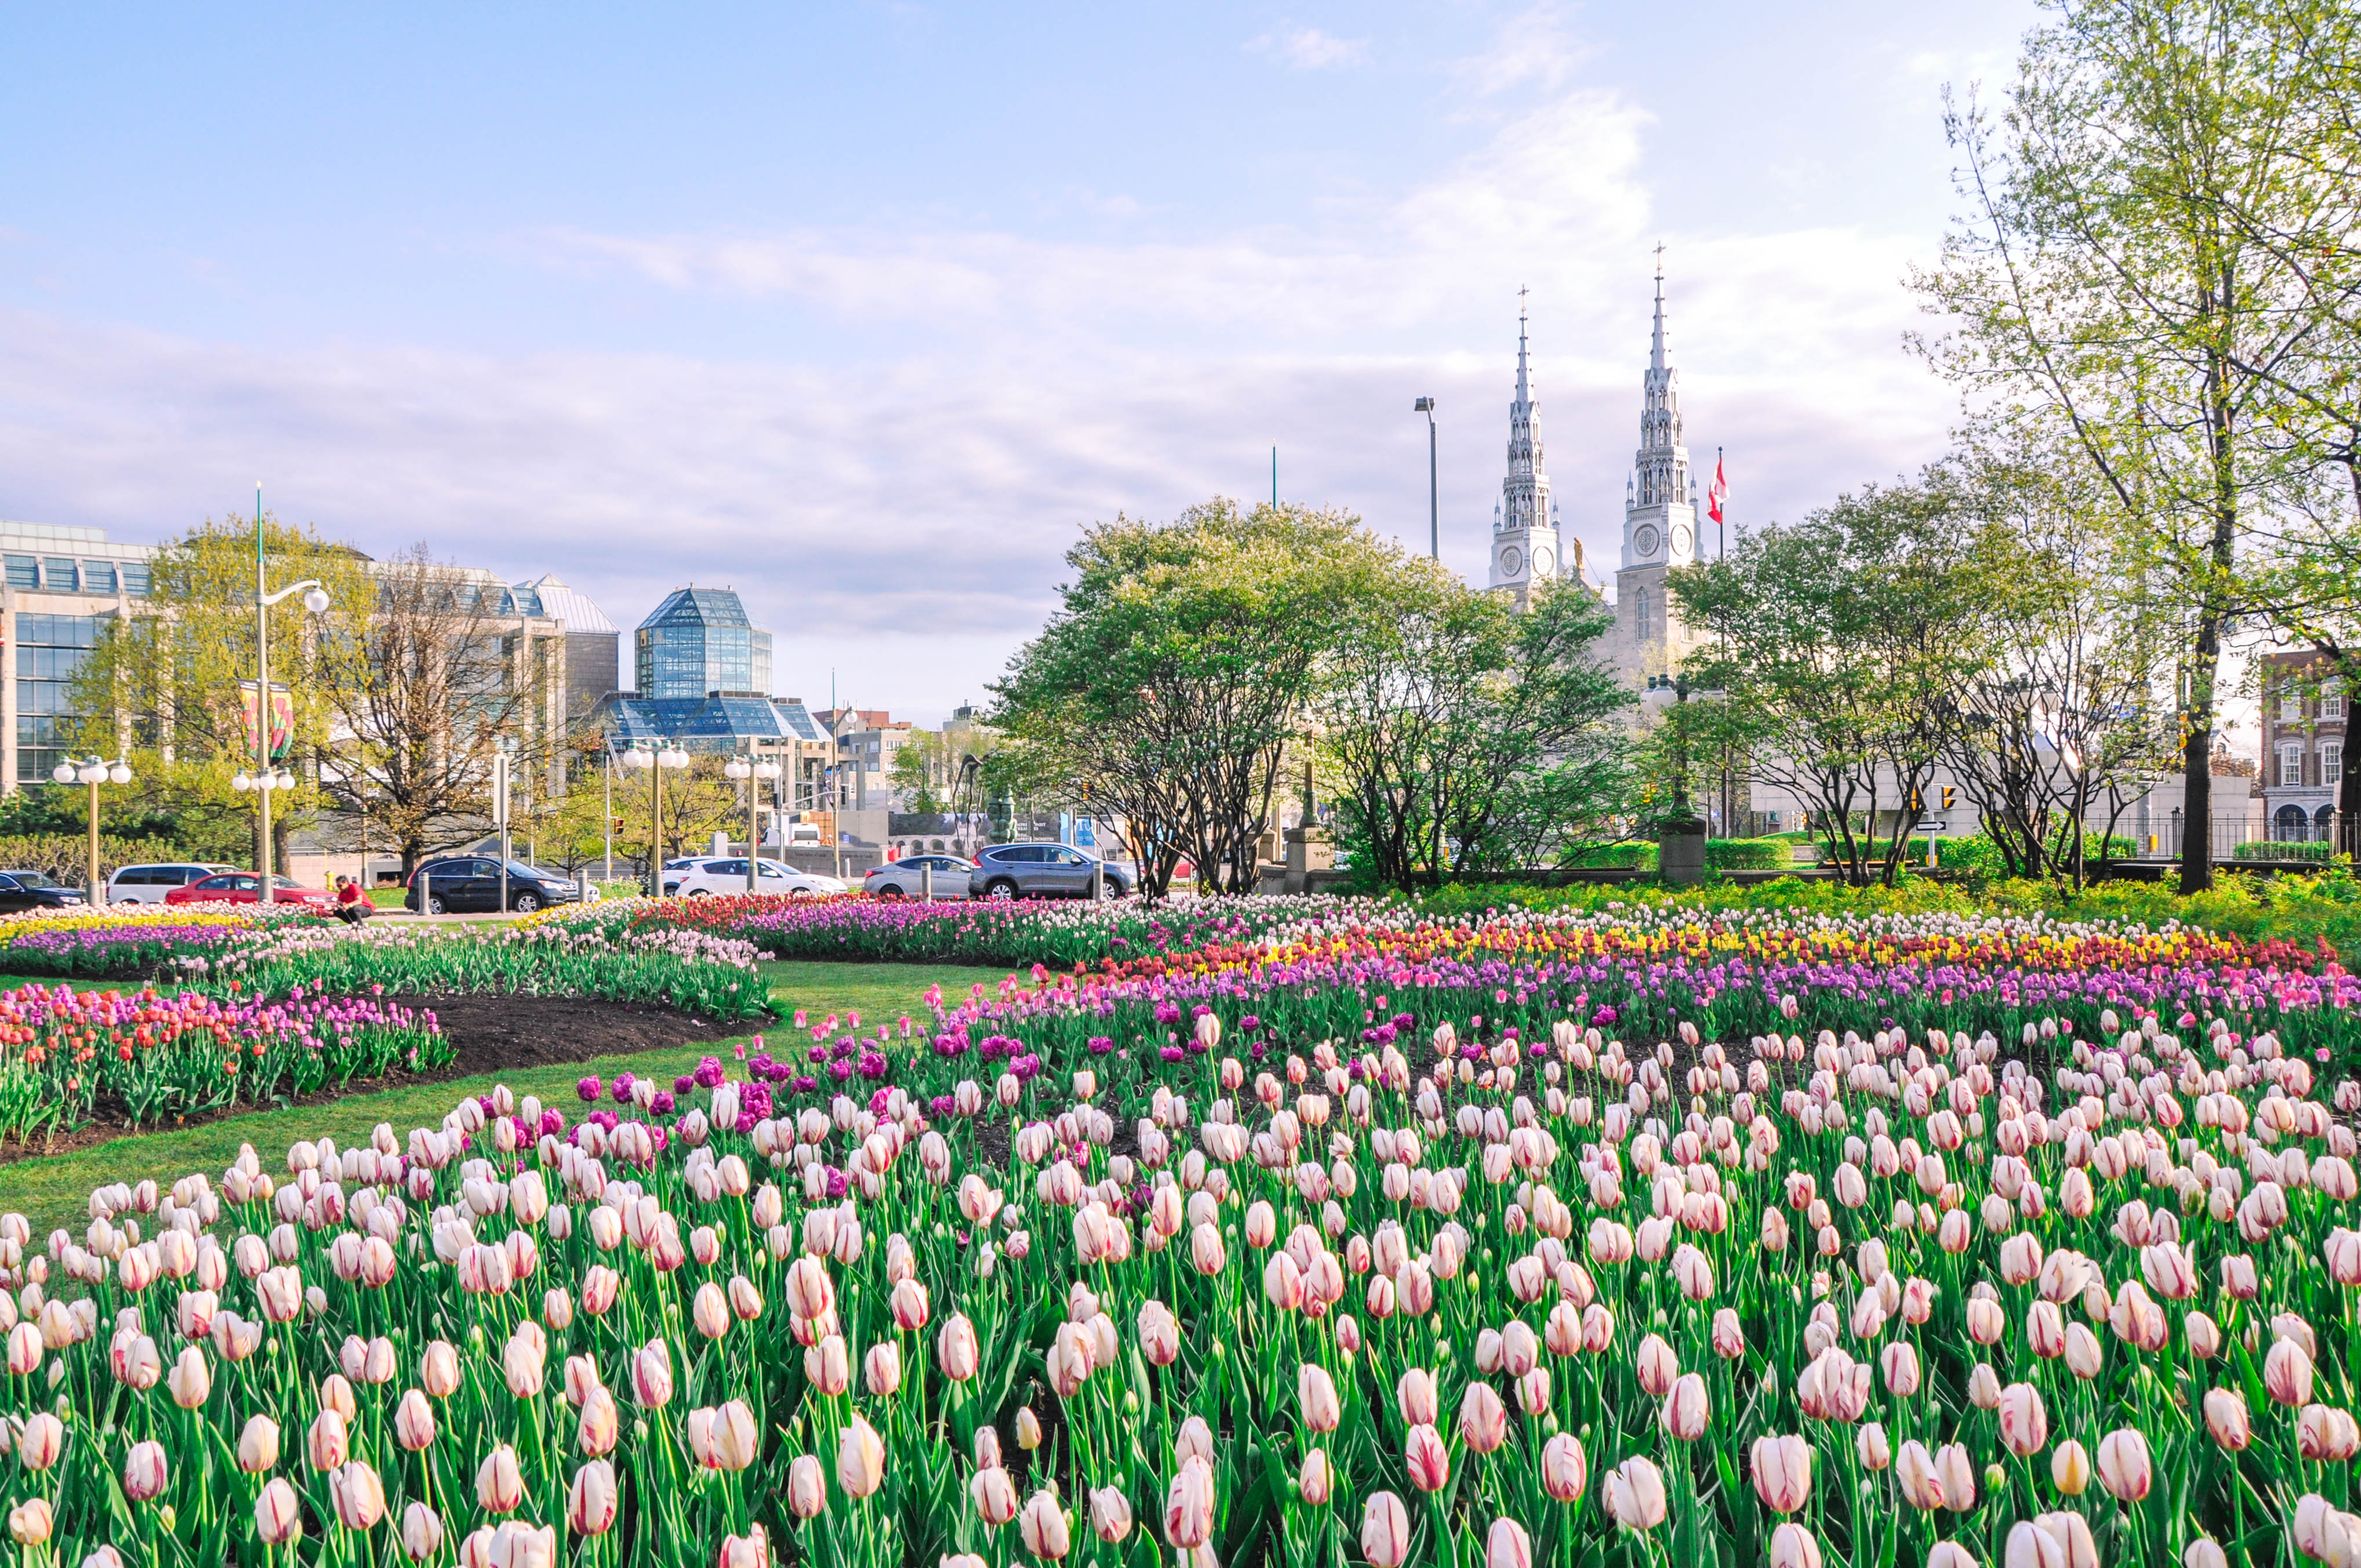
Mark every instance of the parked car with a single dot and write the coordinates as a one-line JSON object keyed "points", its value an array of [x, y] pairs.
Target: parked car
{"points": [[1044, 870], [678, 868], [148, 884], [712, 875], [34, 890], [245, 887], [907, 877], [469, 883]]}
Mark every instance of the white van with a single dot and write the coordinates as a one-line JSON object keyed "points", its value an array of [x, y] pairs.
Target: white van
{"points": [[148, 884]]}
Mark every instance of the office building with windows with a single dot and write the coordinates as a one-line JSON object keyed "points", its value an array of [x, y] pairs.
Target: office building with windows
{"points": [[698, 642], [61, 586], [2303, 746]]}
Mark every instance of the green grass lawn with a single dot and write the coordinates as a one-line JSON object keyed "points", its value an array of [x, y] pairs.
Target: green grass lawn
{"points": [[55, 1192]]}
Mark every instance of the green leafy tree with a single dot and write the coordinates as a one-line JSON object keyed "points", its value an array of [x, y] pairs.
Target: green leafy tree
{"points": [[1835, 641], [163, 685], [1463, 736], [1178, 665], [2117, 297]]}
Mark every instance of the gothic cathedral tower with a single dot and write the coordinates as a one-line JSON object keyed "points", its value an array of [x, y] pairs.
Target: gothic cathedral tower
{"points": [[1524, 535], [1659, 521]]}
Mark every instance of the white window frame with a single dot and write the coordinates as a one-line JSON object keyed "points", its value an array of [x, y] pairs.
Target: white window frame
{"points": [[2331, 700], [2291, 762], [2331, 762], [2291, 704]]}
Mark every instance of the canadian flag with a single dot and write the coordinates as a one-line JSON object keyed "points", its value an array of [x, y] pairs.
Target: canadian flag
{"points": [[1719, 493]]}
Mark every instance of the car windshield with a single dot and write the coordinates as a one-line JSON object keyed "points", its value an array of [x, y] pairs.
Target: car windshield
{"points": [[32, 879], [519, 869]]}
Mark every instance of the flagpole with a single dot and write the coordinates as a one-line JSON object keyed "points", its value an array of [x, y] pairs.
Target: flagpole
{"points": [[1720, 511]]}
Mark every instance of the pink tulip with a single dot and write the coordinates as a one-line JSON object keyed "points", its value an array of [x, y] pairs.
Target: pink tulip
{"points": [[1793, 1546], [1656, 1366], [860, 1459], [2287, 1374], [2023, 1420], [956, 1349], [1633, 1495], [1415, 1395], [1111, 1515], [1566, 1469], [1685, 1408], [1428, 1462], [500, 1485], [1483, 1418], [1189, 1506], [591, 1499], [356, 1495], [1316, 1480], [995, 1495], [651, 1374], [1385, 1530], [146, 1472], [422, 1532], [1043, 1525], [279, 1513], [2124, 1466], [1316, 1396], [1783, 1472], [1507, 1545], [1900, 1362], [807, 1488]]}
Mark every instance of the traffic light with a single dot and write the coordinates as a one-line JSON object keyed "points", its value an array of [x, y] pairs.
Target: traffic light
{"points": [[1947, 797], [1916, 805]]}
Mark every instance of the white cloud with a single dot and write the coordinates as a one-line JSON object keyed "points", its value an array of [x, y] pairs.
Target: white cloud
{"points": [[1309, 48]]}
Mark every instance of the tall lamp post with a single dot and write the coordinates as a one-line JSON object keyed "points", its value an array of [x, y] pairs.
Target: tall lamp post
{"points": [[265, 777], [1434, 504], [93, 771], [656, 760], [753, 770]]}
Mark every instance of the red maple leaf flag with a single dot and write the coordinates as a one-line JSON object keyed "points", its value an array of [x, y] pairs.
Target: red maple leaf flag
{"points": [[1719, 493]]}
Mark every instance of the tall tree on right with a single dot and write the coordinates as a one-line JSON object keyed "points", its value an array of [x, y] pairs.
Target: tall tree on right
{"points": [[2113, 303]]}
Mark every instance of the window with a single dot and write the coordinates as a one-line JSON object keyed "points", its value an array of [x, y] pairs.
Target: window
{"points": [[2331, 762], [98, 576], [50, 650], [2290, 764], [58, 575], [24, 572], [2290, 703], [135, 578], [1640, 614], [2331, 700]]}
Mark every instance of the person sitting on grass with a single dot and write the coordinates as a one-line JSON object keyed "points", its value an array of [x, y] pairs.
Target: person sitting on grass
{"points": [[352, 904]]}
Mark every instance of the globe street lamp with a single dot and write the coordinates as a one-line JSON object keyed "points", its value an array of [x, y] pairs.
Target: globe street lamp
{"points": [[93, 771], [753, 770], [654, 760], [265, 778]]}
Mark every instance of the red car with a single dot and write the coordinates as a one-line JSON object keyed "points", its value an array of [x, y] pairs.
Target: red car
{"points": [[243, 887]]}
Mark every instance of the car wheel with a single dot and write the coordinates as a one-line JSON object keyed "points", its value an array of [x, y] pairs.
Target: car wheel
{"points": [[890, 891], [526, 902], [435, 904], [799, 893], [1000, 888], [698, 892]]}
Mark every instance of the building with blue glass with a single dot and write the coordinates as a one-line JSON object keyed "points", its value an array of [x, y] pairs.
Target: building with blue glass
{"points": [[703, 675]]}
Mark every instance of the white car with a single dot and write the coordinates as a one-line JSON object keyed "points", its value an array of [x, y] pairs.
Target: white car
{"points": [[711, 875], [909, 877], [148, 884]]}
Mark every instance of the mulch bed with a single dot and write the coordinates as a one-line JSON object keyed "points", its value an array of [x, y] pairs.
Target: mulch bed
{"points": [[491, 1032]]}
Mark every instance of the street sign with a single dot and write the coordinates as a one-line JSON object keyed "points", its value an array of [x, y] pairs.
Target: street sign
{"points": [[500, 791]]}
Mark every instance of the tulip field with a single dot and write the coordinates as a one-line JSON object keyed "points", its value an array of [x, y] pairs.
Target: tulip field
{"points": [[1358, 1238]]}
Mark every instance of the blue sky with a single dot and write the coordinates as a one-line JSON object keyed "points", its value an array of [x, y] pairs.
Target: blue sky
{"points": [[864, 310]]}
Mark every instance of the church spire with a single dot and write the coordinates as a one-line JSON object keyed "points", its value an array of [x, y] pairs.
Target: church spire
{"points": [[1656, 350], [1524, 530], [1524, 391]]}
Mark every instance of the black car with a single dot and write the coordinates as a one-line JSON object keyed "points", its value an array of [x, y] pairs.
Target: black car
{"points": [[20, 891], [465, 883]]}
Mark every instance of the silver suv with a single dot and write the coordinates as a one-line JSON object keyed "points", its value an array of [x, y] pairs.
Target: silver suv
{"points": [[1044, 870]]}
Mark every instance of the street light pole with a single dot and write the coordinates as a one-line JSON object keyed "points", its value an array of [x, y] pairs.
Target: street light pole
{"points": [[754, 769], [93, 771], [1434, 502], [265, 777]]}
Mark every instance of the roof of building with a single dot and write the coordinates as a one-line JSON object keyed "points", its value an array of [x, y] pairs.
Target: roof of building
{"points": [[546, 595], [701, 607], [628, 717]]}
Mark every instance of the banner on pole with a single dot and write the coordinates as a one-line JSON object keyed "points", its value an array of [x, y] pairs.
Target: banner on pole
{"points": [[282, 718]]}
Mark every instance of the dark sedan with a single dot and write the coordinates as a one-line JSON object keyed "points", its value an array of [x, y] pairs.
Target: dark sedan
{"points": [[20, 891], [465, 884]]}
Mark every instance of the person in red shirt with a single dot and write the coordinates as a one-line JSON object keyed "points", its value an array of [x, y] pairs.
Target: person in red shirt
{"points": [[352, 904]]}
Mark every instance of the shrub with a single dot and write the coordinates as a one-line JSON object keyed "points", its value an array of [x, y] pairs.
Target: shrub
{"points": [[1749, 854], [2286, 850]]}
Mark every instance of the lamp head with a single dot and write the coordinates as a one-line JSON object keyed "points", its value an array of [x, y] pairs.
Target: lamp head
{"points": [[119, 773], [1424, 406], [315, 600], [241, 780], [91, 772], [63, 772], [637, 757], [736, 768], [286, 779]]}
